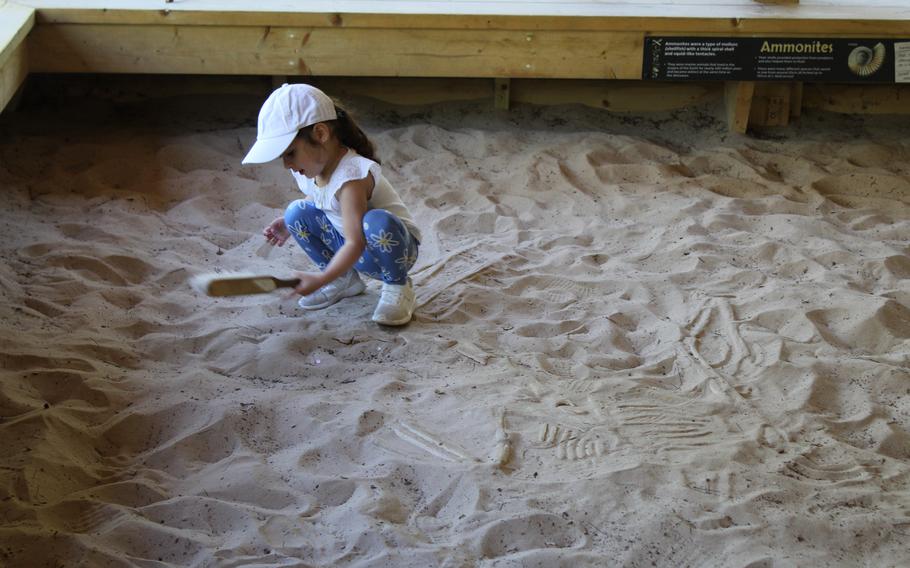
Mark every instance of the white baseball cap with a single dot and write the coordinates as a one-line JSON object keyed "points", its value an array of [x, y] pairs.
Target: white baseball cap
{"points": [[288, 109]]}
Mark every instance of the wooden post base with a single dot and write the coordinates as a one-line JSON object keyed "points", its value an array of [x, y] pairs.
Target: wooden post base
{"points": [[762, 104]]}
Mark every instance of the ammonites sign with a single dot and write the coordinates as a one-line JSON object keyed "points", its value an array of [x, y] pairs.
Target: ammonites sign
{"points": [[853, 60]]}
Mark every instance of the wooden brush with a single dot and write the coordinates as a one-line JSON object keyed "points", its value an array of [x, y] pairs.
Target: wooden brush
{"points": [[239, 284]]}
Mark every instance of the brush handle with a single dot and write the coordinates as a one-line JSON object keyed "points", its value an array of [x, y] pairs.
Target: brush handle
{"points": [[290, 283]]}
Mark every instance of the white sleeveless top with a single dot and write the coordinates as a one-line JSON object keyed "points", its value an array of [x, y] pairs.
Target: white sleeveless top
{"points": [[353, 166]]}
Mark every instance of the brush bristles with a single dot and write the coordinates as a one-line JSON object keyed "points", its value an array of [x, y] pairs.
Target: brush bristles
{"points": [[202, 283]]}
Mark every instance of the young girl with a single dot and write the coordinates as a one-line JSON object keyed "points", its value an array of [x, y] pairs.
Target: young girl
{"points": [[352, 220]]}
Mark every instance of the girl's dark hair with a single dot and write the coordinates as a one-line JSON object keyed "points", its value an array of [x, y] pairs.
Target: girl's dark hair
{"points": [[348, 133]]}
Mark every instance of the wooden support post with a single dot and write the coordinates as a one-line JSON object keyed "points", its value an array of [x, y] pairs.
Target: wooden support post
{"points": [[738, 98], [501, 93], [771, 104], [774, 104], [278, 80], [796, 100]]}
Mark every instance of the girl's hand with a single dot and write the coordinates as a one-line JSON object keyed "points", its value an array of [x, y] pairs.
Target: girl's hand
{"points": [[276, 233], [309, 283]]}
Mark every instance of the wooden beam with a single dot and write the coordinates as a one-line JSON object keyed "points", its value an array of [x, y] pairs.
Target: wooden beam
{"points": [[738, 98], [743, 17], [15, 23], [501, 93], [256, 50]]}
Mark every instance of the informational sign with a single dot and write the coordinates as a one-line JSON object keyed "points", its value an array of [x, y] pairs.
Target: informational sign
{"points": [[837, 60], [902, 62]]}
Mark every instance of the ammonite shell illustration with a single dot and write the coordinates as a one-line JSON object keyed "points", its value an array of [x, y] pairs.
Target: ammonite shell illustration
{"points": [[864, 61]]}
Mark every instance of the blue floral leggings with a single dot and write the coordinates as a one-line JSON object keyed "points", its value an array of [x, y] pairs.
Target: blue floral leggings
{"points": [[391, 250]]}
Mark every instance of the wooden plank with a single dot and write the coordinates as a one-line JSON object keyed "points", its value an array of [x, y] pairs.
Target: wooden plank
{"points": [[870, 22], [15, 23], [334, 51], [738, 98]]}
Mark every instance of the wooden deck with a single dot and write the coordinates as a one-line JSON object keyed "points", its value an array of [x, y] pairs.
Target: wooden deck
{"points": [[502, 40]]}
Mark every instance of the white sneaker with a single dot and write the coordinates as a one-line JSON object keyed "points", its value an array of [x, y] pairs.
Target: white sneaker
{"points": [[344, 286], [396, 304]]}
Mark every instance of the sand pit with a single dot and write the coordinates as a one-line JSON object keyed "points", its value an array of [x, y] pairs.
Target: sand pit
{"points": [[640, 342]]}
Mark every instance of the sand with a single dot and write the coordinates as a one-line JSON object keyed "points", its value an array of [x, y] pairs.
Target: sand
{"points": [[641, 341]]}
